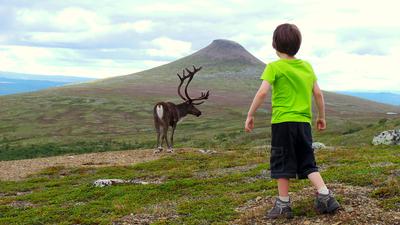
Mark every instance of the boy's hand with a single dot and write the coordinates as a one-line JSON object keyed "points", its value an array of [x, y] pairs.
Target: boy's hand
{"points": [[249, 123], [321, 124]]}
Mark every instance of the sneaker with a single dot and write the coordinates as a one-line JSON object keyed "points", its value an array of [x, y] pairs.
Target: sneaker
{"points": [[326, 203], [281, 209]]}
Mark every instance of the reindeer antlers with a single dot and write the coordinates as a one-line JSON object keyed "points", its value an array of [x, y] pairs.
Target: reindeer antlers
{"points": [[203, 96], [182, 79], [190, 76]]}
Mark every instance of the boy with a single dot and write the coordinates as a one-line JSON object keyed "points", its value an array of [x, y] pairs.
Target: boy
{"points": [[293, 84]]}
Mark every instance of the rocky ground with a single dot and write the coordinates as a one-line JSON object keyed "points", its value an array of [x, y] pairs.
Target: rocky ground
{"points": [[19, 169], [357, 208]]}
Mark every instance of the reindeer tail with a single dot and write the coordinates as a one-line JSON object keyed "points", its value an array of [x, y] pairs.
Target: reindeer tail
{"points": [[160, 111]]}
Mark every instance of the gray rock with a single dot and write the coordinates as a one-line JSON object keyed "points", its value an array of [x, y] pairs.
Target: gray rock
{"points": [[318, 145], [389, 137], [107, 182], [207, 151], [110, 182]]}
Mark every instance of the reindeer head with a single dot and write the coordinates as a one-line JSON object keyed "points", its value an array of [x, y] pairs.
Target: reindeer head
{"points": [[191, 102]]}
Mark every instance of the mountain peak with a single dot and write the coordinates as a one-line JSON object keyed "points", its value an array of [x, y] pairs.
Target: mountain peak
{"points": [[224, 43], [227, 50]]}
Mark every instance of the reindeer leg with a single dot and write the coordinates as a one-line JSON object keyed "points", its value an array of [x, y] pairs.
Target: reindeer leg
{"points": [[171, 150], [165, 136], [159, 146], [162, 136]]}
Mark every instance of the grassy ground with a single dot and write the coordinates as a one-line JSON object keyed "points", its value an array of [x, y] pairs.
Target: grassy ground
{"points": [[73, 127], [196, 188]]}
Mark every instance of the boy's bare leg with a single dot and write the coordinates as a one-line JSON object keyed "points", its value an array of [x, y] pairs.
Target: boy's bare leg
{"points": [[318, 182], [283, 188], [325, 202], [282, 204]]}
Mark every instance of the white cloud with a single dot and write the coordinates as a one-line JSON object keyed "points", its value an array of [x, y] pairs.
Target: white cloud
{"points": [[32, 17], [74, 18], [346, 71], [59, 61], [70, 19], [141, 26], [74, 25], [165, 46]]}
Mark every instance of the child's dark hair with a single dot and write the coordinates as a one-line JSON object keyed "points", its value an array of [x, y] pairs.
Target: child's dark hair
{"points": [[287, 39]]}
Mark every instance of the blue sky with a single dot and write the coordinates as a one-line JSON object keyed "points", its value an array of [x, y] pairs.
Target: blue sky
{"points": [[353, 45]]}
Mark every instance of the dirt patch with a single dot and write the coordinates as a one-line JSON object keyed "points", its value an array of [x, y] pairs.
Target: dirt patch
{"points": [[357, 208], [142, 219], [21, 204], [223, 171], [20, 169], [162, 212]]}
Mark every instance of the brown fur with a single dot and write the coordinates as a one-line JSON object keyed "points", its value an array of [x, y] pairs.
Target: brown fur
{"points": [[172, 113]]}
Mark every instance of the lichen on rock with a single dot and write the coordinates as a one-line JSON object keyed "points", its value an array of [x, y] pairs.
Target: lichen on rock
{"points": [[389, 137], [318, 145]]}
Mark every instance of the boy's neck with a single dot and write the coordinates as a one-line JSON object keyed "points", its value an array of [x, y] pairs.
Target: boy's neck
{"points": [[285, 56]]}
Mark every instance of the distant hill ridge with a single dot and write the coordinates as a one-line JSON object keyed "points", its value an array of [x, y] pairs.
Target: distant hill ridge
{"points": [[53, 78], [13, 83], [383, 97]]}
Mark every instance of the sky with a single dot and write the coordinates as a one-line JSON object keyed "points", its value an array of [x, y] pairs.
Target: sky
{"points": [[352, 45]]}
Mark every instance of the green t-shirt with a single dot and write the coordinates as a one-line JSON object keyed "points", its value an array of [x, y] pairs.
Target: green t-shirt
{"points": [[292, 82]]}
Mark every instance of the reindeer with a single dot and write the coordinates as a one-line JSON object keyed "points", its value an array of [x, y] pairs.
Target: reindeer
{"points": [[168, 114]]}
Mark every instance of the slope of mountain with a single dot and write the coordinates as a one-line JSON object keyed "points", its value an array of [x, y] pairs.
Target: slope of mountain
{"points": [[383, 97], [116, 113]]}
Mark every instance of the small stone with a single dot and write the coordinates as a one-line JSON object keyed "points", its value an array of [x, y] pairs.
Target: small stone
{"points": [[349, 209], [318, 145], [307, 222], [258, 198], [207, 151]]}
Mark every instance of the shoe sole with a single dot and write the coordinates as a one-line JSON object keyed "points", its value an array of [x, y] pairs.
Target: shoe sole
{"points": [[333, 208], [330, 210], [284, 216]]}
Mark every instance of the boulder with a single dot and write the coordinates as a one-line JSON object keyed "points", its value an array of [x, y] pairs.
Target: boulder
{"points": [[388, 137], [318, 145]]}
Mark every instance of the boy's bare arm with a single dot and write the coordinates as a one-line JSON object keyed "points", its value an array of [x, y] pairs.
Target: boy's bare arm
{"points": [[257, 101], [319, 100]]}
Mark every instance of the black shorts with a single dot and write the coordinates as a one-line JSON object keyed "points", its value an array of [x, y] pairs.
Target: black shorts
{"points": [[292, 154]]}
